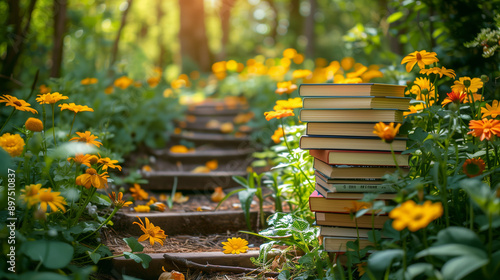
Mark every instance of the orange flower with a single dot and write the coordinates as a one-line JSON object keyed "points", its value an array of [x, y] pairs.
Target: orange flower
{"points": [[473, 167], [455, 97], [50, 98], [212, 164], [285, 87], [357, 206], [278, 114], [492, 110], [421, 58], [93, 179], [181, 149], [386, 132], [484, 128], [123, 82], [138, 193], [18, 104], [12, 144], [82, 159], [153, 81], [107, 162], [441, 71], [33, 124], [44, 89], [86, 137], [291, 103], [278, 133], [151, 232], [75, 108], [88, 81], [217, 195], [118, 201]]}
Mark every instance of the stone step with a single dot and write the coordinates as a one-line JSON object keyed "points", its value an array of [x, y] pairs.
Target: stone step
{"points": [[200, 138], [164, 180], [205, 153]]}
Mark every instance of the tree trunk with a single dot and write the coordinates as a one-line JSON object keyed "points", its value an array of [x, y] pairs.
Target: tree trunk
{"points": [[295, 21], [114, 50], [17, 38], [192, 36], [59, 9], [225, 17], [162, 52], [309, 31], [394, 44]]}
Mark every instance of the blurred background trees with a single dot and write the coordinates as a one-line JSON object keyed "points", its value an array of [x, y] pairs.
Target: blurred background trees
{"points": [[59, 37]]}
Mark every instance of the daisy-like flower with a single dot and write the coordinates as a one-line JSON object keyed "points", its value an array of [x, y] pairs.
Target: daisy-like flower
{"points": [[180, 198], [12, 144], [289, 53], [30, 194], [89, 81], [108, 163], [217, 195], [50, 98], [414, 109], [33, 124], [421, 58], [87, 159], [475, 97], [347, 63], [117, 200], [18, 104], [235, 245], [278, 114], [301, 73], [484, 129], [87, 137], [467, 84], [142, 209], [278, 133], [138, 193], [441, 71], [386, 132], [51, 199], [454, 97], [291, 103], [414, 216], [491, 110], [473, 167], [158, 206], [123, 82], [75, 108], [212, 164], [151, 232], [285, 87], [93, 179], [424, 90]]}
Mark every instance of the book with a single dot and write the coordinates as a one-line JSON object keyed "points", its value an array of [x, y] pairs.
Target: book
{"points": [[329, 180], [357, 186], [362, 89], [339, 244], [351, 115], [354, 157], [364, 129], [350, 143], [345, 220], [352, 171], [353, 195], [344, 231], [356, 102], [319, 203]]}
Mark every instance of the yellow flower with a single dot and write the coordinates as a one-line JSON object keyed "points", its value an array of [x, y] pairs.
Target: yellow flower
{"points": [[278, 133], [154, 233], [201, 169], [88, 81], [301, 73], [361, 268], [467, 84], [92, 179], [485, 128], [298, 58], [146, 168], [226, 127], [75, 108], [12, 144], [87, 137], [18, 104], [212, 164], [347, 63], [371, 74], [386, 132], [291, 103], [123, 82], [34, 124], [278, 114], [285, 87], [235, 245], [243, 117], [45, 89], [421, 58], [289, 53], [414, 109], [50, 98], [217, 195], [357, 206], [441, 71], [177, 84], [138, 193], [109, 90], [142, 209], [117, 200], [107, 162], [30, 194], [179, 198], [473, 167], [415, 216], [153, 81], [158, 206], [181, 149], [424, 90], [455, 97], [475, 97], [83, 159], [492, 110], [168, 93], [51, 199]]}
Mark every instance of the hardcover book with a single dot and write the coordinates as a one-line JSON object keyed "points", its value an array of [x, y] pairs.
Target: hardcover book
{"points": [[339, 244], [355, 157], [345, 220], [351, 115], [364, 129], [364, 89], [357, 102], [352, 171], [350, 143], [318, 203], [357, 193]]}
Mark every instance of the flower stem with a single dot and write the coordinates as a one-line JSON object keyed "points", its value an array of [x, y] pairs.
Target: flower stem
{"points": [[73, 122], [102, 224], [84, 205], [394, 158], [8, 119], [53, 125]]}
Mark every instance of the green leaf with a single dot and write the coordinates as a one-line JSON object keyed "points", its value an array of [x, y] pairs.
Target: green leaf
{"points": [[53, 254], [227, 196], [42, 276], [416, 269], [460, 267], [95, 257], [101, 199], [452, 250], [300, 225], [246, 197], [133, 244], [241, 180], [139, 258], [459, 235], [380, 261], [394, 17]]}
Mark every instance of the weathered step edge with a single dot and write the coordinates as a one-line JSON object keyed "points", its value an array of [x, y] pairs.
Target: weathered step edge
{"points": [[164, 180]]}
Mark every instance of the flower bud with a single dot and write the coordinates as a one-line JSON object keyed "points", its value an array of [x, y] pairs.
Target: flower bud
{"points": [[424, 91], [467, 83], [485, 78]]}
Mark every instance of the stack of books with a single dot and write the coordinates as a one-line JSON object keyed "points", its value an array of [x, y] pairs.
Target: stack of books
{"points": [[349, 159]]}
